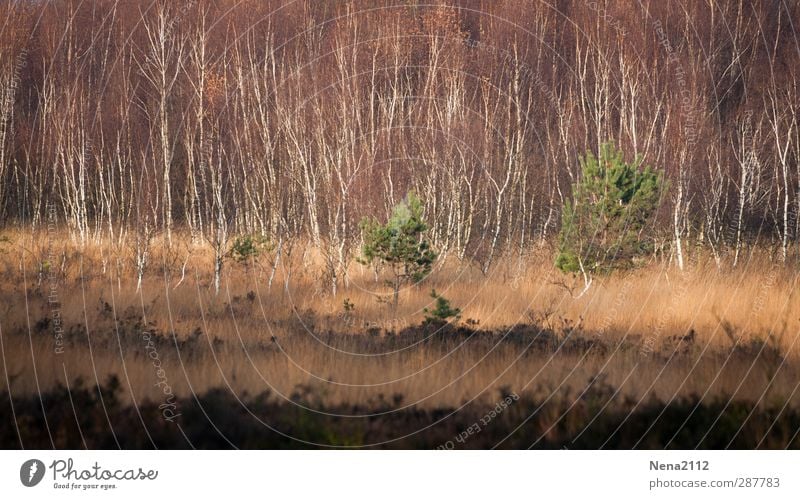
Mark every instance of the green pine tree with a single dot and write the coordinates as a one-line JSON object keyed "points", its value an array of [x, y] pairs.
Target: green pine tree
{"points": [[442, 312], [604, 227], [400, 244]]}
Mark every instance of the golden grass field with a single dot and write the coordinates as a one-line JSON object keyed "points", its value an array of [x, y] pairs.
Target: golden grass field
{"points": [[655, 332]]}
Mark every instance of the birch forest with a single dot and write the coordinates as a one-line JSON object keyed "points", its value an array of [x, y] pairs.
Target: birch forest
{"points": [[126, 120]]}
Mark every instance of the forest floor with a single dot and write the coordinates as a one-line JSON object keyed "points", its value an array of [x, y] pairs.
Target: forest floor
{"points": [[656, 357]]}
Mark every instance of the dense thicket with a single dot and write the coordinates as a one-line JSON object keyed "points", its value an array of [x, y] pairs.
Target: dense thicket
{"points": [[95, 418], [128, 118]]}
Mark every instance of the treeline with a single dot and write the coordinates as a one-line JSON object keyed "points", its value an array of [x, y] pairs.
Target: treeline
{"points": [[129, 119]]}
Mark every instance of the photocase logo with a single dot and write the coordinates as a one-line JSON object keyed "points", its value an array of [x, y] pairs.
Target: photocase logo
{"points": [[31, 472]]}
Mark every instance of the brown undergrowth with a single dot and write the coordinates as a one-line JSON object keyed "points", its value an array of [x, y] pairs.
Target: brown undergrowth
{"points": [[70, 313]]}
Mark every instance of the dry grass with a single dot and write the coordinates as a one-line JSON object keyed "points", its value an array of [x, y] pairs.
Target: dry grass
{"points": [[654, 332]]}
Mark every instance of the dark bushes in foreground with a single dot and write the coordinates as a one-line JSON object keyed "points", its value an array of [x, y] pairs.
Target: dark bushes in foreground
{"points": [[94, 418]]}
